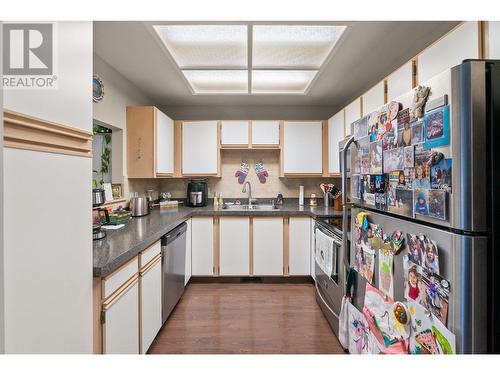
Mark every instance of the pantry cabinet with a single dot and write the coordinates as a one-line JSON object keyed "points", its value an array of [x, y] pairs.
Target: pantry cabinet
{"points": [[187, 275], [234, 246], [265, 134], [150, 143], [202, 246], [234, 133], [299, 246], [200, 148], [267, 242], [335, 135], [302, 152]]}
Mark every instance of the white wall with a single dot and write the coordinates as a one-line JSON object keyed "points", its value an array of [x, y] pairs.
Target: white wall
{"points": [[47, 200]]}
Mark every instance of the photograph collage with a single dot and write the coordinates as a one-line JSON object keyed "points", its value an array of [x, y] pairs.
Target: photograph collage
{"points": [[396, 146]]}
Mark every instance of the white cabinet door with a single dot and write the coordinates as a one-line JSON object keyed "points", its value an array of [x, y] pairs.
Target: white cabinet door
{"points": [[313, 247], [299, 246], [202, 246], [335, 135], [121, 324], [268, 246], [303, 147], [265, 132], [164, 143], [151, 305], [373, 99], [234, 133], [199, 147], [352, 113], [400, 82], [234, 246], [187, 275]]}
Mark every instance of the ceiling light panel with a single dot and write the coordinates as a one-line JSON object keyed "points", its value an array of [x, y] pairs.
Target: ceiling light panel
{"points": [[293, 46], [281, 81], [217, 81], [200, 46]]}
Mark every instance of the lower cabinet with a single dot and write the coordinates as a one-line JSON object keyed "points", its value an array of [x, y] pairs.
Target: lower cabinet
{"points": [[202, 246], [187, 274], [267, 246], [313, 251], [299, 260], [120, 320], [151, 303], [234, 246]]}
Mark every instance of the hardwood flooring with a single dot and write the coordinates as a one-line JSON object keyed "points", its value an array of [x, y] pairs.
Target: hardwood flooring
{"points": [[246, 318]]}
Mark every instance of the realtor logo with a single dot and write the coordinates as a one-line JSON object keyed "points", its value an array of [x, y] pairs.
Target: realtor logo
{"points": [[28, 55]]}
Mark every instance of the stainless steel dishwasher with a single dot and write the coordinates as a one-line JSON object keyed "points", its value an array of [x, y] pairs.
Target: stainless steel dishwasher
{"points": [[173, 249]]}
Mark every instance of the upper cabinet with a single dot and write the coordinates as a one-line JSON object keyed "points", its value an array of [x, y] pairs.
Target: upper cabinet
{"points": [[302, 152], [266, 134], [335, 135], [400, 82], [234, 133], [352, 113], [200, 148], [150, 143], [373, 99]]}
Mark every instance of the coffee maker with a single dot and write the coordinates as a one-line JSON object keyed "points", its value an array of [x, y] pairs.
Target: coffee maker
{"points": [[197, 193]]}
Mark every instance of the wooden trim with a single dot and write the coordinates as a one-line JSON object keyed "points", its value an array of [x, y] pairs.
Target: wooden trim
{"points": [[414, 72], [262, 279], [31, 133], [286, 246], [386, 91], [177, 149], [219, 128], [111, 300], [282, 146], [216, 246], [324, 143], [483, 39], [345, 134], [250, 226], [302, 175], [266, 146], [360, 106], [150, 265], [234, 146], [96, 315]]}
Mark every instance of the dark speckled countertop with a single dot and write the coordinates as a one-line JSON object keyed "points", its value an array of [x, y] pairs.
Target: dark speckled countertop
{"points": [[123, 244]]}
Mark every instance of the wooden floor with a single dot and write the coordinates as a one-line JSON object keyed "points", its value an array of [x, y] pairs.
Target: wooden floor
{"points": [[246, 318]]}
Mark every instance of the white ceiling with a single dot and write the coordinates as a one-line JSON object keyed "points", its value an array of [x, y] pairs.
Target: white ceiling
{"points": [[366, 53]]}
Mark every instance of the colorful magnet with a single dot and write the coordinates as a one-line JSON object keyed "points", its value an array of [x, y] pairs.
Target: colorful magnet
{"points": [[401, 313]]}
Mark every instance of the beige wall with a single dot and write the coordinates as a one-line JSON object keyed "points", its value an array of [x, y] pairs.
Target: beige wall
{"points": [[228, 184]]}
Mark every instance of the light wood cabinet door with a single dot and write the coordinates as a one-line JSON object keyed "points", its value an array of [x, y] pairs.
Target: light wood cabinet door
{"points": [[164, 144], [299, 246], [335, 135], [268, 246], [199, 148], [303, 147], [266, 133], [151, 305], [202, 246], [121, 323], [234, 133], [187, 275], [234, 246]]}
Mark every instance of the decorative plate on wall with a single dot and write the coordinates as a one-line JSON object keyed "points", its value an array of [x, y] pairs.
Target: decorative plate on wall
{"points": [[97, 89]]}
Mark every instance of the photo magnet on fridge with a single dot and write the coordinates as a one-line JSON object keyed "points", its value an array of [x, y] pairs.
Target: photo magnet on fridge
{"points": [[417, 132], [437, 204], [376, 157], [394, 160], [437, 128], [421, 199], [360, 127], [441, 175]]}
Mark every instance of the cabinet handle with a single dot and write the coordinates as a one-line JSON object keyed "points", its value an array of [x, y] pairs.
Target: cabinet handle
{"points": [[106, 305]]}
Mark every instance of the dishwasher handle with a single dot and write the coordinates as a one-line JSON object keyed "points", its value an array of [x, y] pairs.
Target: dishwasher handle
{"points": [[173, 234]]}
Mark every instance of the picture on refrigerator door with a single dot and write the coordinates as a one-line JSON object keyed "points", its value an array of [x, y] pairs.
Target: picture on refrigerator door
{"points": [[437, 204], [409, 156], [376, 157], [403, 117], [409, 174], [437, 127], [364, 155], [441, 175], [361, 340], [391, 193], [355, 186], [401, 179], [403, 203], [391, 334], [390, 139], [385, 272], [421, 199], [379, 183], [417, 132], [381, 201], [364, 260], [428, 289], [394, 160], [404, 135], [360, 128], [423, 251]]}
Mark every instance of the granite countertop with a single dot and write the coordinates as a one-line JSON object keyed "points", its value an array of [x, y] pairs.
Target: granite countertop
{"points": [[121, 245]]}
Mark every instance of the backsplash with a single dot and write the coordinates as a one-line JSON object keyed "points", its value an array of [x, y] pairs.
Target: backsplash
{"points": [[228, 185]]}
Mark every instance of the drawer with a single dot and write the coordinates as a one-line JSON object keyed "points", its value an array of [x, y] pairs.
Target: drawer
{"points": [[119, 277], [147, 255]]}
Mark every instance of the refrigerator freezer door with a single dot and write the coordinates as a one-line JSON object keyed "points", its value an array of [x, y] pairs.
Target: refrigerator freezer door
{"points": [[462, 261]]}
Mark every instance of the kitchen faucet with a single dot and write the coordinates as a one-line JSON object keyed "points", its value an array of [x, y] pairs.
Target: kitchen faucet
{"points": [[244, 190]]}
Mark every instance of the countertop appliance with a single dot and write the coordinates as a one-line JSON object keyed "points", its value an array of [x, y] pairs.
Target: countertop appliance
{"points": [[197, 193], [139, 206], [468, 234], [102, 218], [173, 249], [98, 197]]}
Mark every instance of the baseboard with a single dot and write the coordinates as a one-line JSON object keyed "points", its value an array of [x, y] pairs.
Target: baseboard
{"points": [[253, 279]]}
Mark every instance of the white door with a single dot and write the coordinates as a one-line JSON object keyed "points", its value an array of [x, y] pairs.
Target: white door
{"points": [[335, 135], [202, 245], [234, 133], [234, 246], [313, 247], [164, 143], [299, 246], [121, 324], [199, 147], [265, 133], [151, 305], [268, 246], [303, 147], [187, 275]]}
